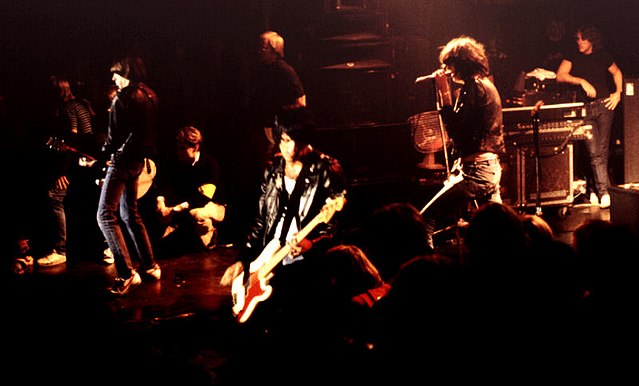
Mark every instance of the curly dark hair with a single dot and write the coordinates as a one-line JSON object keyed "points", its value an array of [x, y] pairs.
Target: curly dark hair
{"points": [[467, 55], [592, 34]]}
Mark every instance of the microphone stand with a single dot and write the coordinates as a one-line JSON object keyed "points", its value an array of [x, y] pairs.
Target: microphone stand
{"points": [[442, 130], [535, 124], [453, 174]]}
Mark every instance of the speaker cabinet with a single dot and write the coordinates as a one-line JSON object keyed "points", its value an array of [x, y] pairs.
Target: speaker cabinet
{"points": [[624, 205], [519, 178], [353, 97], [371, 152], [631, 130]]}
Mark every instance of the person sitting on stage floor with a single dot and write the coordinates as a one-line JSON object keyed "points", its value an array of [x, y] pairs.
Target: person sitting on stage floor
{"points": [[473, 119], [187, 185]]}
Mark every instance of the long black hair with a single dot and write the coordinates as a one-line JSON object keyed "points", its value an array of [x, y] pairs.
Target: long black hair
{"points": [[298, 123], [131, 68]]}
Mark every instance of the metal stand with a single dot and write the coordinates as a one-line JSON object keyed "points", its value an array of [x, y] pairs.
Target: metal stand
{"points": [[454, 176], [535, 122]]}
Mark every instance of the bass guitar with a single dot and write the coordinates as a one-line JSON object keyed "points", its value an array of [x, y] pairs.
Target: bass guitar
{"points": [[145, 180], [247, 294], [60, 145]]}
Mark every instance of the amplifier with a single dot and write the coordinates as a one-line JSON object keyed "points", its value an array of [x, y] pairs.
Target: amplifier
{"points": [[519, 178], [514, 116], [624, 205], [554, 133]]}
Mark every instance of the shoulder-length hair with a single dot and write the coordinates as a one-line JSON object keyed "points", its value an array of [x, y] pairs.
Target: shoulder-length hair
{"points": [[131, 68], [64, 89], [592, 34], [467, 55]]}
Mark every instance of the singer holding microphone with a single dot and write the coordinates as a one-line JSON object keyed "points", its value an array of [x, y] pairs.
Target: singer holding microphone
{"points": [[470, 108]]}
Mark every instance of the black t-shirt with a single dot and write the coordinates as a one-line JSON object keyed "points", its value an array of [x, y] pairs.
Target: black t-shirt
{"points": [[276, 85], [179, 182], [593, 68]]}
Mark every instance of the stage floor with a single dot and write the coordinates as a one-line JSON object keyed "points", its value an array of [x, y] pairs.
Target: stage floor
{"points": [[63, 326]]}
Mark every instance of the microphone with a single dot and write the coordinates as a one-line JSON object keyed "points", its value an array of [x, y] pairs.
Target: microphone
{"points": [[426, 77], [431, 76]]}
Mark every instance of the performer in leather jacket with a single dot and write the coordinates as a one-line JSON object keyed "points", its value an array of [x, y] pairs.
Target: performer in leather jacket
{"points": [[323, 178], [130, 138], [472, 115], [302, 178]]}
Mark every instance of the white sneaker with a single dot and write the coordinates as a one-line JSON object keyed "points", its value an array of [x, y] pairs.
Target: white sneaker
{"points": [[122, 286], [53, 258], [605, 201], [594, 200], [107, 257], [154, 272]]}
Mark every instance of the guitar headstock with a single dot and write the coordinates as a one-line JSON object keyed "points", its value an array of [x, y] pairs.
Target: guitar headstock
{"points": [[57, 144], [333, 204], [53, 143]]}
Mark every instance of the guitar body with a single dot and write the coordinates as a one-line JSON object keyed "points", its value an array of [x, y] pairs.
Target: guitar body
{"points": [[245, 298], [145, 179]]}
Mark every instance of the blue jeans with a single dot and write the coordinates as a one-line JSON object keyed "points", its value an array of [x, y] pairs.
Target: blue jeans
{"points": [[119, 191], [55, 203], [481, 183], [599, 145]]}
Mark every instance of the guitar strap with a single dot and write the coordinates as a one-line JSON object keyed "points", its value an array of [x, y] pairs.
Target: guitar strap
{"points": [[292, 206]]}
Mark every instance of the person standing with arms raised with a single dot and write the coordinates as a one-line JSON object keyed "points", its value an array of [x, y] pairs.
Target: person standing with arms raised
{"points": [[131, 138]]}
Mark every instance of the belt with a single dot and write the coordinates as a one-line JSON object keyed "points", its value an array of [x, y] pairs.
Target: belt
{"points": [[484, 162]]}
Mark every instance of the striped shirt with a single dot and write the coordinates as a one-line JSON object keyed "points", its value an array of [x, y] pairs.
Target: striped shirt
{"points": [[79, 117]]}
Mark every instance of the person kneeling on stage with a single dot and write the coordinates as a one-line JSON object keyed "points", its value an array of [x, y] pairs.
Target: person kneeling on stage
{"points": [[187, 184]]}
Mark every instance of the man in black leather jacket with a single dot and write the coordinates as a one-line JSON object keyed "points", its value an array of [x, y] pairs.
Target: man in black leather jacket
{"points": [[130, 139], [313, 185], [472, 114]]}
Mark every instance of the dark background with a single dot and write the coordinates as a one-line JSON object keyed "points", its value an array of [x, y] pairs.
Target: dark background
{"points": [[199, 55], [199, 52]]}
